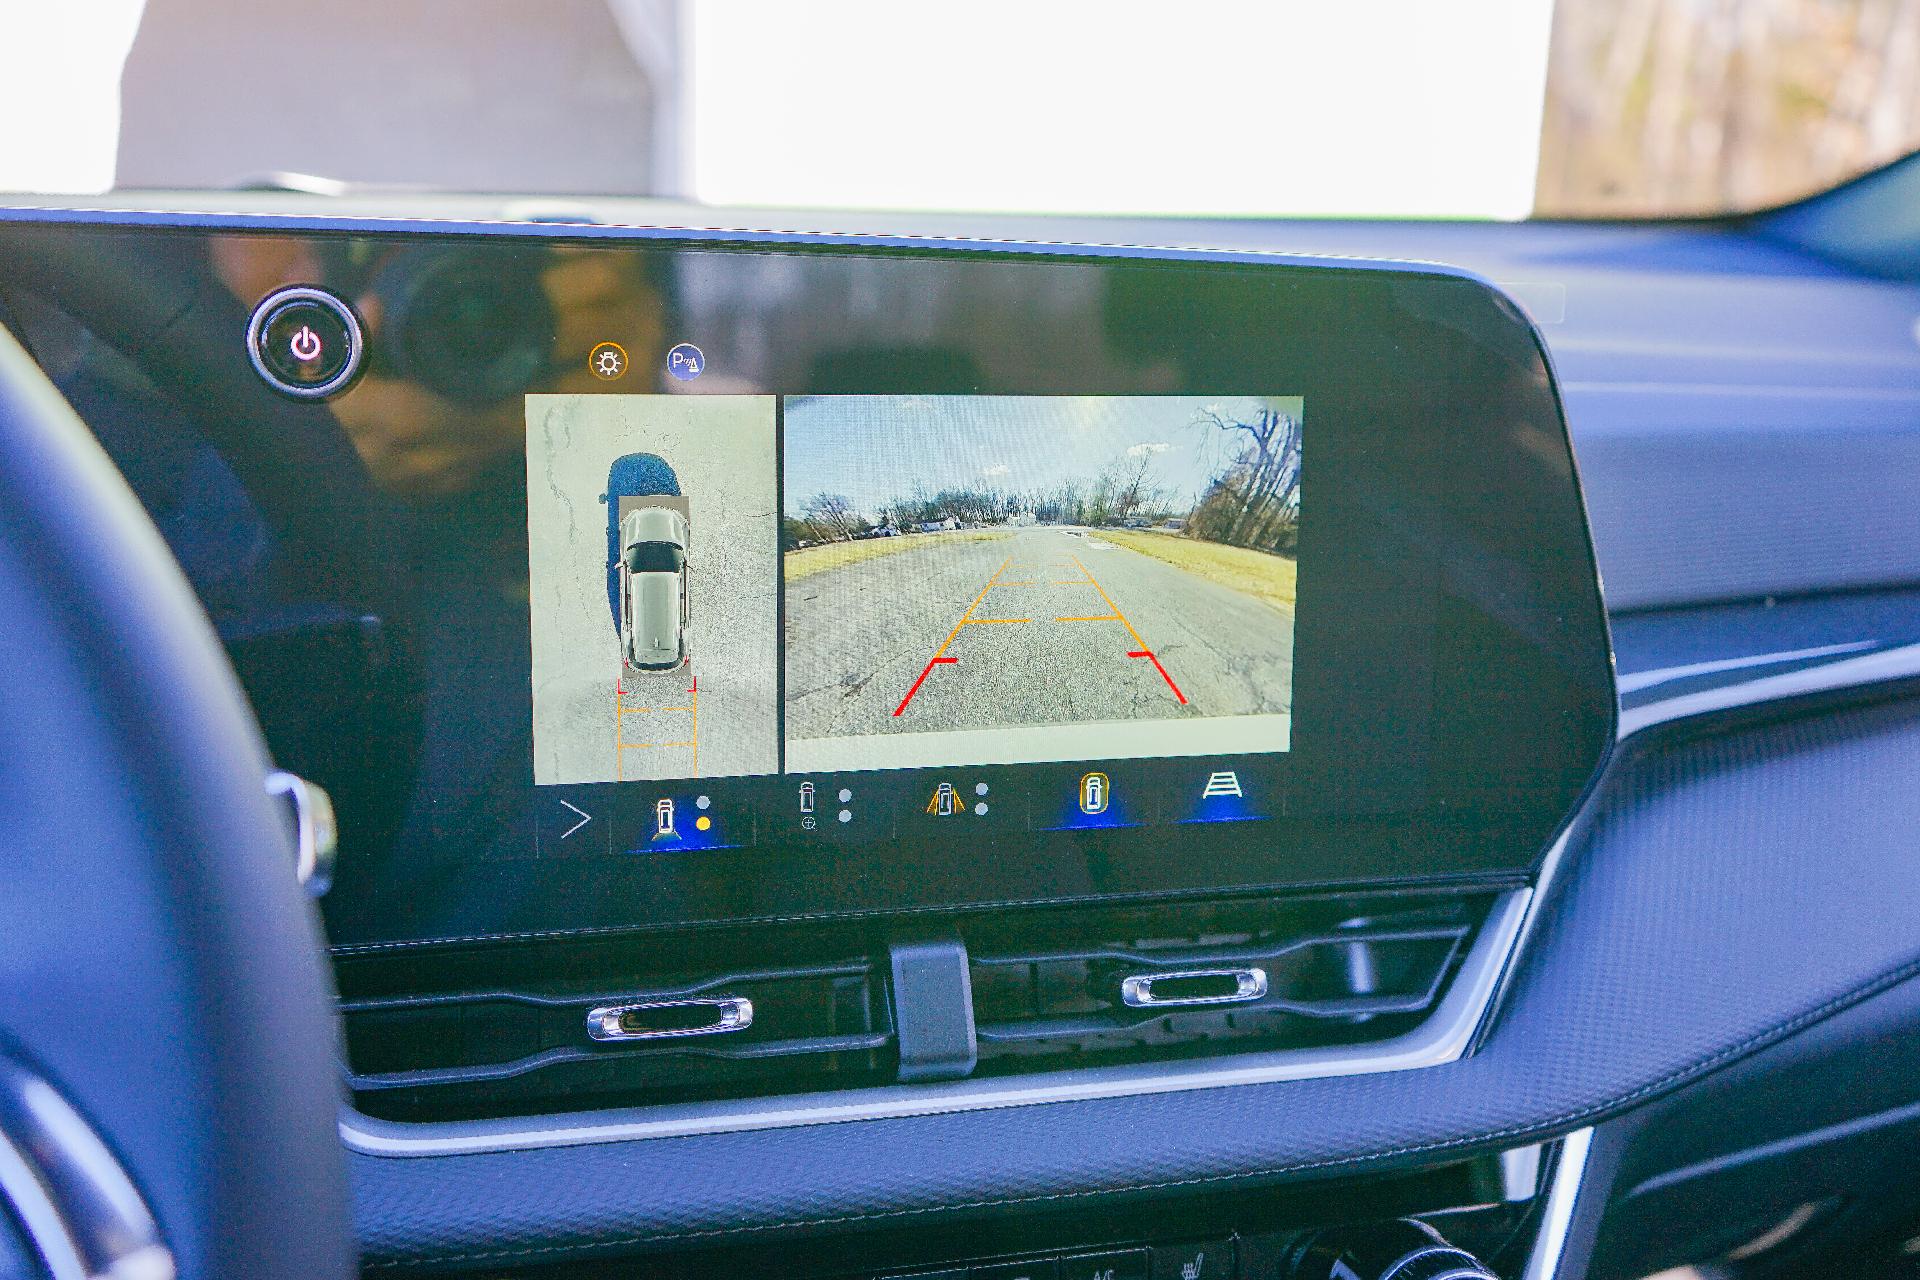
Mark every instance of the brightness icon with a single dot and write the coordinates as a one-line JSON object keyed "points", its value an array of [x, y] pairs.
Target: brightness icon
{"points": [[608, 361]]}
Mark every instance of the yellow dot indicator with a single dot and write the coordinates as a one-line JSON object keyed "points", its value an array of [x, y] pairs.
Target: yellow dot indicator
{"points": [[703, 822]]}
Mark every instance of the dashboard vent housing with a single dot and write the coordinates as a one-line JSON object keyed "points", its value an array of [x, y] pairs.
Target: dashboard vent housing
{"points": [[506, 1051], [546, 1025], [1178, 982]]}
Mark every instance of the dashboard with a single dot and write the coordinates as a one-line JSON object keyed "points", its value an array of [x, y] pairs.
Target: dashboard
{"points": [[858, 735]]}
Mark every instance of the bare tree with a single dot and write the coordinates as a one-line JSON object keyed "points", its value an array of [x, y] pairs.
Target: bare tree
{"points": [[834, 515], [1135, 490], [1255, 500]]}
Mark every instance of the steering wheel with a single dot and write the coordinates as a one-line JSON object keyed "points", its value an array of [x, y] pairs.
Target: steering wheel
{"points": [[169, 1088]]}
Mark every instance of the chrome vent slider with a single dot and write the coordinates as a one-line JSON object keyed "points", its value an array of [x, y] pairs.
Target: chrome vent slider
{"points": [[1137, 990], [669, 1019], [1189, 988], [316, 832]]}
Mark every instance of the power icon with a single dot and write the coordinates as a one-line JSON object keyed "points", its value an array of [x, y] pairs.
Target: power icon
{"points": [[305, 342]]}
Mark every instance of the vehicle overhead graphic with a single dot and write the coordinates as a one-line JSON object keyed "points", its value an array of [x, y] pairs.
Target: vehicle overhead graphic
{"points": [[654, 601], [631, 476], [652, 640]]}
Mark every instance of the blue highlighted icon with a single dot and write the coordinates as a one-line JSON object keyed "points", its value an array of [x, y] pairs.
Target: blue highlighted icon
{"points": [[1223, 798], [683, 824], [1095, 805], [686, 362]]}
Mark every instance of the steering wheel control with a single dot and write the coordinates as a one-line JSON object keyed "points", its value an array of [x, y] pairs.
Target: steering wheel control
{"points": [[79, 1210], [305, 342]]}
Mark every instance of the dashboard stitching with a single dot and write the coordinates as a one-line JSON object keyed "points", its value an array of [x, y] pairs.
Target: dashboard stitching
{"points": [[358, 950], [1780, 1031]]}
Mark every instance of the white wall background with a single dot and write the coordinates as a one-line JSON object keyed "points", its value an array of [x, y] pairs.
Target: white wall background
{"points": [[1319, 107], [60, 91], [1375, 107]]}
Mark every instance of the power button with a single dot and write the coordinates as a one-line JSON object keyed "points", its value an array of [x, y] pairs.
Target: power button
{"points": [[305, 342]]}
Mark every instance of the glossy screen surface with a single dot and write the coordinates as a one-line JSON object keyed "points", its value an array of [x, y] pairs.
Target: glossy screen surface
{"points": [[1059, 577]]}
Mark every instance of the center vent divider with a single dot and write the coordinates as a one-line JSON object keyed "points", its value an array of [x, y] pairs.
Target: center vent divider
{"points": [[540, 1026]]}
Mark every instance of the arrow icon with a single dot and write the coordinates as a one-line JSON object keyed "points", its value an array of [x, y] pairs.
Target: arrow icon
{"points": [[585, 818]]}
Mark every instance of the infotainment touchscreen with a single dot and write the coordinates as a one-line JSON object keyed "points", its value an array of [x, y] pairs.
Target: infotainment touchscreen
{"points": [[736, 585], [742, 586], [653, 580]]}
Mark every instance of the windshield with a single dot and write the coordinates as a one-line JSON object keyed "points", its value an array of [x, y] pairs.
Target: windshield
{"points": [[1370, 108], [654, 557]]}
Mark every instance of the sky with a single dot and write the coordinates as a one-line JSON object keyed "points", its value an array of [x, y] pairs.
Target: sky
{"points": [[875, 449]]}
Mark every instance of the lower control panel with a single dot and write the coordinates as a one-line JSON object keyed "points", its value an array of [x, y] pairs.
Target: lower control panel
{"points": [[1197, 1260], [1481, 1218], [1398, 1249]]}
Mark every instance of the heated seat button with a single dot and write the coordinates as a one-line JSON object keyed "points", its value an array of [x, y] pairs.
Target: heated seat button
{"points": [[1207, 1260], [305, 342]]}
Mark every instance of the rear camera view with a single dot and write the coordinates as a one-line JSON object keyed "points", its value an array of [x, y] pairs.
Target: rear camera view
{"points": [[979, 580], [651, 530]]}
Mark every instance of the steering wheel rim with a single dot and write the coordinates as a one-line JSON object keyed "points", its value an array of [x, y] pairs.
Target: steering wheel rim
{"points": [[160, 969]]}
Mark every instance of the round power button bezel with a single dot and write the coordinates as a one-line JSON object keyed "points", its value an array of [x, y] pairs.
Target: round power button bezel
{"points": [[356, 341]]}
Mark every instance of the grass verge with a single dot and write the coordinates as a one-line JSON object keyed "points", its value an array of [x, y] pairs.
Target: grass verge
{"points": [[811, 560], [1268, 578]]}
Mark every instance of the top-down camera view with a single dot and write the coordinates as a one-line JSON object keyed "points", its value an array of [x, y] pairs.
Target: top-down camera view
{"points": [[692, 639], [647, 577]]}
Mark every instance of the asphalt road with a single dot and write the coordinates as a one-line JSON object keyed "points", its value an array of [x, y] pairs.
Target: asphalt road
{"points": [[1039, 627]]}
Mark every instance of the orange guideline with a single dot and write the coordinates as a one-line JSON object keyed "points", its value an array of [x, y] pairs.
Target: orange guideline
{"points": [[939, 657], [1143, 651], [967, 619], [621, 711]]}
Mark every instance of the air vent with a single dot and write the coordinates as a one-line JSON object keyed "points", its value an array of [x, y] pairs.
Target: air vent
{"points": [[497, 1052], [1179, 982], [546, 1025]]}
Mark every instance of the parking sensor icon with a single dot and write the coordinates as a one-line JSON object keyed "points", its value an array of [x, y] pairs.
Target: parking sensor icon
{"points": [[686, 362]]}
